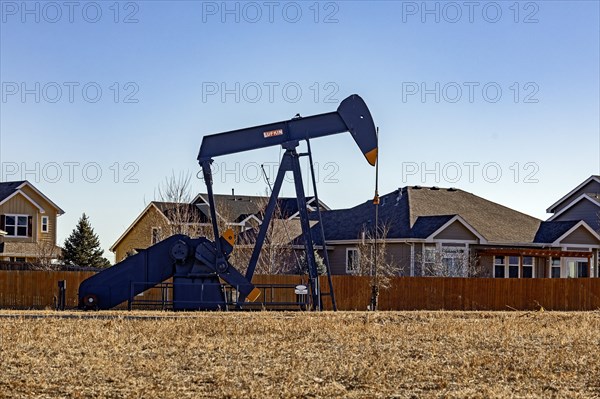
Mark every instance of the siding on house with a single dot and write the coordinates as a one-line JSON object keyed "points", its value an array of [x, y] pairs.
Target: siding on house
{"points": [[22, 206], [541, 267], [19, 205], [486, 266], [50, 212], [456, 231], [141, 235], [337, 259], [583, 210], [397, 254], [591, 187], [580, 236]]}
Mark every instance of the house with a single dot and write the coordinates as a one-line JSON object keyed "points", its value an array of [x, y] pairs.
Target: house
{"points": [[581, 203], [450, 232], [28, 223], [162, 219]]}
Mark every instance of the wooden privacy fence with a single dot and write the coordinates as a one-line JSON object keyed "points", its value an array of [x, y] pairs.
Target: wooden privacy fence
{"points": [[38, 289]]}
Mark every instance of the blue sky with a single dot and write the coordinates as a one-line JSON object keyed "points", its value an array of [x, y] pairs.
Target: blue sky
{"points": [[500, 99]]}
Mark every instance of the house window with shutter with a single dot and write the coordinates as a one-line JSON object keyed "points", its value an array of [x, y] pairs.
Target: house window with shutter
{"points": [[17, 225]]}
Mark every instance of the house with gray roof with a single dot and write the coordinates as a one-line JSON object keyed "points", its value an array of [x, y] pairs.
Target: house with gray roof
{"points": [[450, 232]]}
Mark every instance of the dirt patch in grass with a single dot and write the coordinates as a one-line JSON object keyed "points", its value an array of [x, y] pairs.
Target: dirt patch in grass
{"points": [[334, 355]]}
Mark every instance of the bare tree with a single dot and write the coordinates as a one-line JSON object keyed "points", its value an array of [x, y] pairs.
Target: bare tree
{"points": [[278, 254], [47, 255], [375, 259], [175, 194]]}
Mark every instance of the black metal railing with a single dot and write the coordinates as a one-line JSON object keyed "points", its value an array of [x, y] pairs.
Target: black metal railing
{"points": [[273, 297]]}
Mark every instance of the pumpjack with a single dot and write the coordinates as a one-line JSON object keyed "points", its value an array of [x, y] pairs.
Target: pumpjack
{"points": [[198, 265]]}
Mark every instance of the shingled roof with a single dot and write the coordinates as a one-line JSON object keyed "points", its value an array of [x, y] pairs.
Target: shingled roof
{"points": [[281, 232], [416, 212], [178, 212], [238, 207], [495, 222], [551, 231], [9, 187]]}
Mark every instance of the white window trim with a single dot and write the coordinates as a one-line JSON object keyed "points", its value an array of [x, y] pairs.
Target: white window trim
{"points": [[582, 248], [550, 266], [564, 270], [412, 259], [520, 266], [348, 250], [532, 266], [46, 223], [26, 225]]}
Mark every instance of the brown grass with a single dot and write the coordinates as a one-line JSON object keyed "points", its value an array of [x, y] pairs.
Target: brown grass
{"points": [[258, 355]]}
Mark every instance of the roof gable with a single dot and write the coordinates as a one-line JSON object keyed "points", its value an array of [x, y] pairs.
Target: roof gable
{"points": [[591, 198], [135, 222], [580, 236], [10, 189], [594, 179], [580, 233], [456, 229]]}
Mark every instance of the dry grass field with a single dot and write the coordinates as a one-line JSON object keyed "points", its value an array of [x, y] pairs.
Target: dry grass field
{"points": [[300, 355]]}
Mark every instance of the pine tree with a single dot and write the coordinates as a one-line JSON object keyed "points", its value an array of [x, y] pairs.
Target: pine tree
{"points": [[82, 247]]}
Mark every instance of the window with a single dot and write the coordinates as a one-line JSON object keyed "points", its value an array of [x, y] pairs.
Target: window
{"points": [[17, 225], [453, 261], [156, 236], [508, 266], [429, 254], [555, 268], [499, 266], [44, 224], [577, 268], [582, 269], [352, 260], [527, 267], [513, 267]]}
